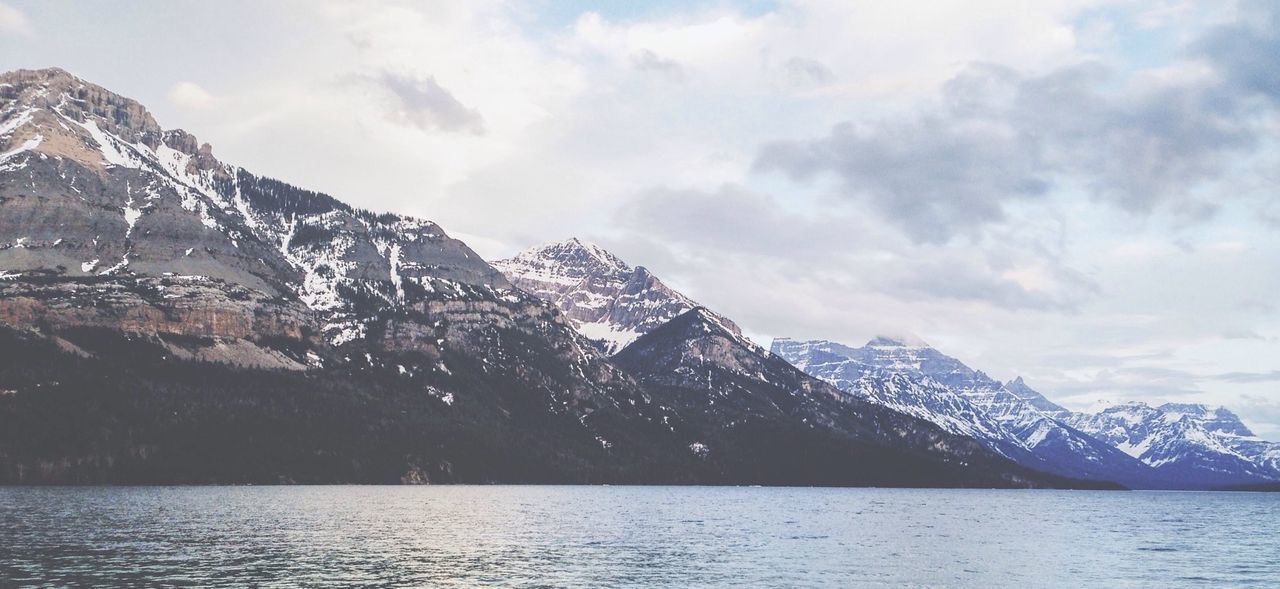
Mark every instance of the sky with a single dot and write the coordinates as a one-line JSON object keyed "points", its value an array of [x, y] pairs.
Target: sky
{"points": [[1084, 193]]}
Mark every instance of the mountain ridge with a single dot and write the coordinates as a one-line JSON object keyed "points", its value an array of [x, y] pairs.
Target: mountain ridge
{"points": [[1059, 440]]}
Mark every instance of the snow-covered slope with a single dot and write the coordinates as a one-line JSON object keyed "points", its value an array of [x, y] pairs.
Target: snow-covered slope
{"points": [[941, 389], [1185, 440], [609, 301]]}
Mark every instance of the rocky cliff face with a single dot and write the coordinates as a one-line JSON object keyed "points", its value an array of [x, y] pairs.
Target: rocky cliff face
{"points": [[608, 301]]}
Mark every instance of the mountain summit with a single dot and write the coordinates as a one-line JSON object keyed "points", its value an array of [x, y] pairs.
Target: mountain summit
{"points": [[609, 301]]}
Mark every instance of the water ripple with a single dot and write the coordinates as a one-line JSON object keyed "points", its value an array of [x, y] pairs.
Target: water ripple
{"points": [[634, 537]]}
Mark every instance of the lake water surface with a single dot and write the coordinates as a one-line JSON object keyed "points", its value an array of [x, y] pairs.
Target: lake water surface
{"points": [[635, 537]]}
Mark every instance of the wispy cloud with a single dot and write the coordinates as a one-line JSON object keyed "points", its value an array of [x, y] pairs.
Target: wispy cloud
{"points": [[191, 95], [1248, 377], [428, 105], [646, 60]]}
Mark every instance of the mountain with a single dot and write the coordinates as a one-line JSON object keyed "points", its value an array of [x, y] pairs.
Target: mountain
{"points": [[767, 422], [171, 318], [608, 301], [1186, 441], [699, 364], [1011, 419]]}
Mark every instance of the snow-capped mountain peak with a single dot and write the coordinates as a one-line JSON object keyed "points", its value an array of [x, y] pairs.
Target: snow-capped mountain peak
{"points": [[909, 341], [569, 261], [609, 301], [1185, 439]]}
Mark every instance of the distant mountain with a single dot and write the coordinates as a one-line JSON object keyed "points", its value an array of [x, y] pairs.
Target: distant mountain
{"points": [[1011, 419], [765, 421], [1177, 445], [1186, 441], [608, 301]]}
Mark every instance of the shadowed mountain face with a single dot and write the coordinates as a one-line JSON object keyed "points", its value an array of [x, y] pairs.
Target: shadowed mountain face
{"points": [[170, 318]]}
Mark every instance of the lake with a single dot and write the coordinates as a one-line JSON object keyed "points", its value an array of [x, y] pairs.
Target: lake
{"points": [[468, 536]]}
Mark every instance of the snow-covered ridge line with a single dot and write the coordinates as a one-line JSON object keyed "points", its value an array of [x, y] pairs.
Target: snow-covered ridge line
{"points": [[1182, 442]]}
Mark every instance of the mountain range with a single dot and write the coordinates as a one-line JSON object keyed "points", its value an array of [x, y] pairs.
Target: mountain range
{"points": [[170, 318], [1207, 448], [166, 317], [1044, 434]]}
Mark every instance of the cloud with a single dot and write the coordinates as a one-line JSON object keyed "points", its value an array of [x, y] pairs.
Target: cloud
{"points": [[1257, 307], [1000, 136], [845, 250], [932, 176], [13, 21], [1261, 413], [1248, 377], [646, 60], [802, 71], [191, 95], [1244, 334], [428, 105], [1126, 383], [1245, 51], [975, 280]]}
